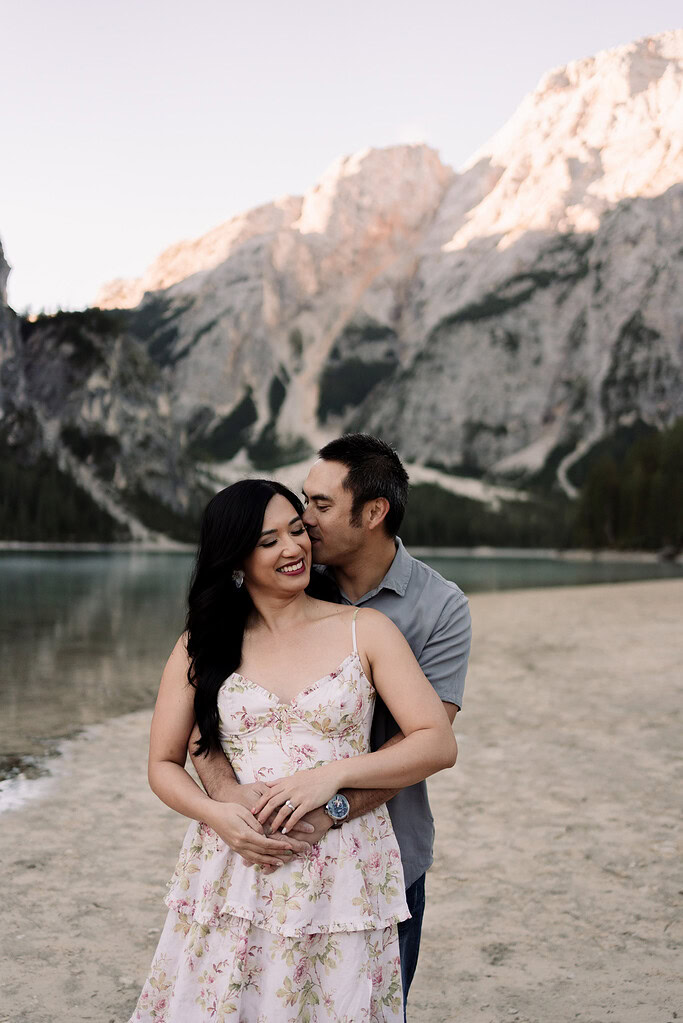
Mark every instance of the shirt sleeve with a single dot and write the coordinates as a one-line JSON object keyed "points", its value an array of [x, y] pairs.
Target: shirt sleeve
{"points": [[446, 652]]}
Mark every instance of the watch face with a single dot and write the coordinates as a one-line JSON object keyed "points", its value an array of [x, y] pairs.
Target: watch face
{"points": [[338, 807]]}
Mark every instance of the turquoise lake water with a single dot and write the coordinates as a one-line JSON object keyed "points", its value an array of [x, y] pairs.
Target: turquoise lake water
{"points": [[84, 636]]}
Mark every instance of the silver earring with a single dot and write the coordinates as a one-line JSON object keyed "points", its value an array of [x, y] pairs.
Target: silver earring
{"points": [[238, 577]]}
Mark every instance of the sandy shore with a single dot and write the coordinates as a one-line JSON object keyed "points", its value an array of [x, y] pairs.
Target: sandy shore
{"points": [[556, 892]]}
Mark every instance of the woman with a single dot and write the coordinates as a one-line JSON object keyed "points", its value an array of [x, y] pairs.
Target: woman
{"points": [[285, 684]]}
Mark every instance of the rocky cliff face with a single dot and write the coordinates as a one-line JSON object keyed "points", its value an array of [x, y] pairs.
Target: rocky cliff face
{"points": [[255, 348], [552, 273], [7, 333], [491, 322], [82, 402], [583, 338], [15, 404]]}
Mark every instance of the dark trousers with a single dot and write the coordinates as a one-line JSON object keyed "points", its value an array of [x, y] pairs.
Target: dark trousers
{"points": [[409, 932]]}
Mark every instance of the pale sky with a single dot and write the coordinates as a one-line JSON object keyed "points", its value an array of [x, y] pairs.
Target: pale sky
{"points": [[129, 126]]}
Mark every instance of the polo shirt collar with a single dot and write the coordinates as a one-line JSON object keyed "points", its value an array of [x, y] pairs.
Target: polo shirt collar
{"points": [[398, 576]]}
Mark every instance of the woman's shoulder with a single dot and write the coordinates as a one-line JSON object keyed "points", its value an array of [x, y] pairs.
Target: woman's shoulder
{"points": [[369, 621], [179, 654], [327, 612], [376, 633], [374, 619], [181, 644]]}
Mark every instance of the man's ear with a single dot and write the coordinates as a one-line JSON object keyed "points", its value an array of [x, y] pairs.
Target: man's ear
{"points": [[375, 512]]}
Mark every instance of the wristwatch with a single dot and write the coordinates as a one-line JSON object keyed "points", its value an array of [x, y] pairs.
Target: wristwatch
{"points": [[337, 809]]}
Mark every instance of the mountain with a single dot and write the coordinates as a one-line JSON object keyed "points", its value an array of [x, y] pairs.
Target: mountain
{"points": [[251, 339], [547, 295], [495, 324], [88, 446]]}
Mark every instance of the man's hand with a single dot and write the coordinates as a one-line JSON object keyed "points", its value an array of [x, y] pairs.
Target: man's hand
{"points": [[239, 829], [247, 795], [317, 820]]}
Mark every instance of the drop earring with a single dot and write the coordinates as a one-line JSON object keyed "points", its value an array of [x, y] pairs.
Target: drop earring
{"points": [[238, 577]]}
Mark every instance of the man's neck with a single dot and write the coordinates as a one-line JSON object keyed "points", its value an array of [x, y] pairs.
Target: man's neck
{"points": [[365, 569]]}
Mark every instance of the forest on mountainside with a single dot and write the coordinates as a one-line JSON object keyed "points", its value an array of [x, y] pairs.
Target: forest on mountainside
{"points": [[630, 498], [635, 502], [39, 502]]}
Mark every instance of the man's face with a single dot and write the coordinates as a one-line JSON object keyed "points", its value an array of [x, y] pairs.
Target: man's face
{"points": [[328, 514]]}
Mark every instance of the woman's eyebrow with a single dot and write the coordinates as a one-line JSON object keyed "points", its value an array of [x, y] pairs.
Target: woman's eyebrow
{"points": [[291, 522]]}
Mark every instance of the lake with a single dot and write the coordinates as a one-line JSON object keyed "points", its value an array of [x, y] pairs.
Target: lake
{"points": [[84, 636]]}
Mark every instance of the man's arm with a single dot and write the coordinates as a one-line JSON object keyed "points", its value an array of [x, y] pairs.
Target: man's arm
{"points": [[444, 662], [218, 778], [216, 774], [361, 801]]}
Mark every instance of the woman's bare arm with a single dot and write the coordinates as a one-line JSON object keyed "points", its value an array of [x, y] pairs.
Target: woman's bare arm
{"points": [[361, 801], [172, 723], [428, 744]]}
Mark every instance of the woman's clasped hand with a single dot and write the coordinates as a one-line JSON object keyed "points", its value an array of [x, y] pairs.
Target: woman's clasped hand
{"points": [[304, 791], [255, 842]]}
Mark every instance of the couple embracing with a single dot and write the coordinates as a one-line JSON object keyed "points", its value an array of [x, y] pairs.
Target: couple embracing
{"points": [[316, 683]]}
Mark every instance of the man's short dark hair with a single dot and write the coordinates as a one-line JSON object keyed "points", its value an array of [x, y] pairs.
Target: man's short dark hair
{"points": [[375, 470]]}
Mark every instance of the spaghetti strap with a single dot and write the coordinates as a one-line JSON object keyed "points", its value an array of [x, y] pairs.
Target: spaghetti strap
{"points": [[353, 630]]}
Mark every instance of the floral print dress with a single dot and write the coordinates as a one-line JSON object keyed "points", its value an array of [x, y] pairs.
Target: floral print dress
{"points": [[315, 941]]}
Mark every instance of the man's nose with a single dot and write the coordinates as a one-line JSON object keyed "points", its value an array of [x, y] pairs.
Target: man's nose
{"points": [[308, 518]]}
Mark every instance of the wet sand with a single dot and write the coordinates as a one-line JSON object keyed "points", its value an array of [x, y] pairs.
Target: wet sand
{"points": [[556, 890]]}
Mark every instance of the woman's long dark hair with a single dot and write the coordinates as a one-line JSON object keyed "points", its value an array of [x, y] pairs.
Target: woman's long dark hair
{"points": [[218, 609]]}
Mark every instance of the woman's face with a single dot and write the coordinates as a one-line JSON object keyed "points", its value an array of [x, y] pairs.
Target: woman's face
{"points": [[281, 560]]}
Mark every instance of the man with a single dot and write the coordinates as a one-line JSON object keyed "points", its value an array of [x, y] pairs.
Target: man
{"points": [[355, 496]]}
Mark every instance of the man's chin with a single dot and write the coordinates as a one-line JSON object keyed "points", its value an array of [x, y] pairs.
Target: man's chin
{"points": [[318, 556]]}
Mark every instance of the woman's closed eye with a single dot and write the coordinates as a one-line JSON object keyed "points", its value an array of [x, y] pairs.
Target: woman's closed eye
{"points": [[295, 532]]}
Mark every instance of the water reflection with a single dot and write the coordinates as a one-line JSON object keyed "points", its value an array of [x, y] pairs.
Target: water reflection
{"points": [[84, 637], [483, 574]]}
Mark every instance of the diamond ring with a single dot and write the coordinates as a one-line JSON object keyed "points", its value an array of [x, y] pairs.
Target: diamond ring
{"points": [[290, 804]]}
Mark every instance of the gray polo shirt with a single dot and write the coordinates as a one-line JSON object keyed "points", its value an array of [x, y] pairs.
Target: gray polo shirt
{"points": [[433, 615]]}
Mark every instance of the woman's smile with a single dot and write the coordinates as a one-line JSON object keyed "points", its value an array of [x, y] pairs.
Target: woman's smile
{"points": [[294, 568]]}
